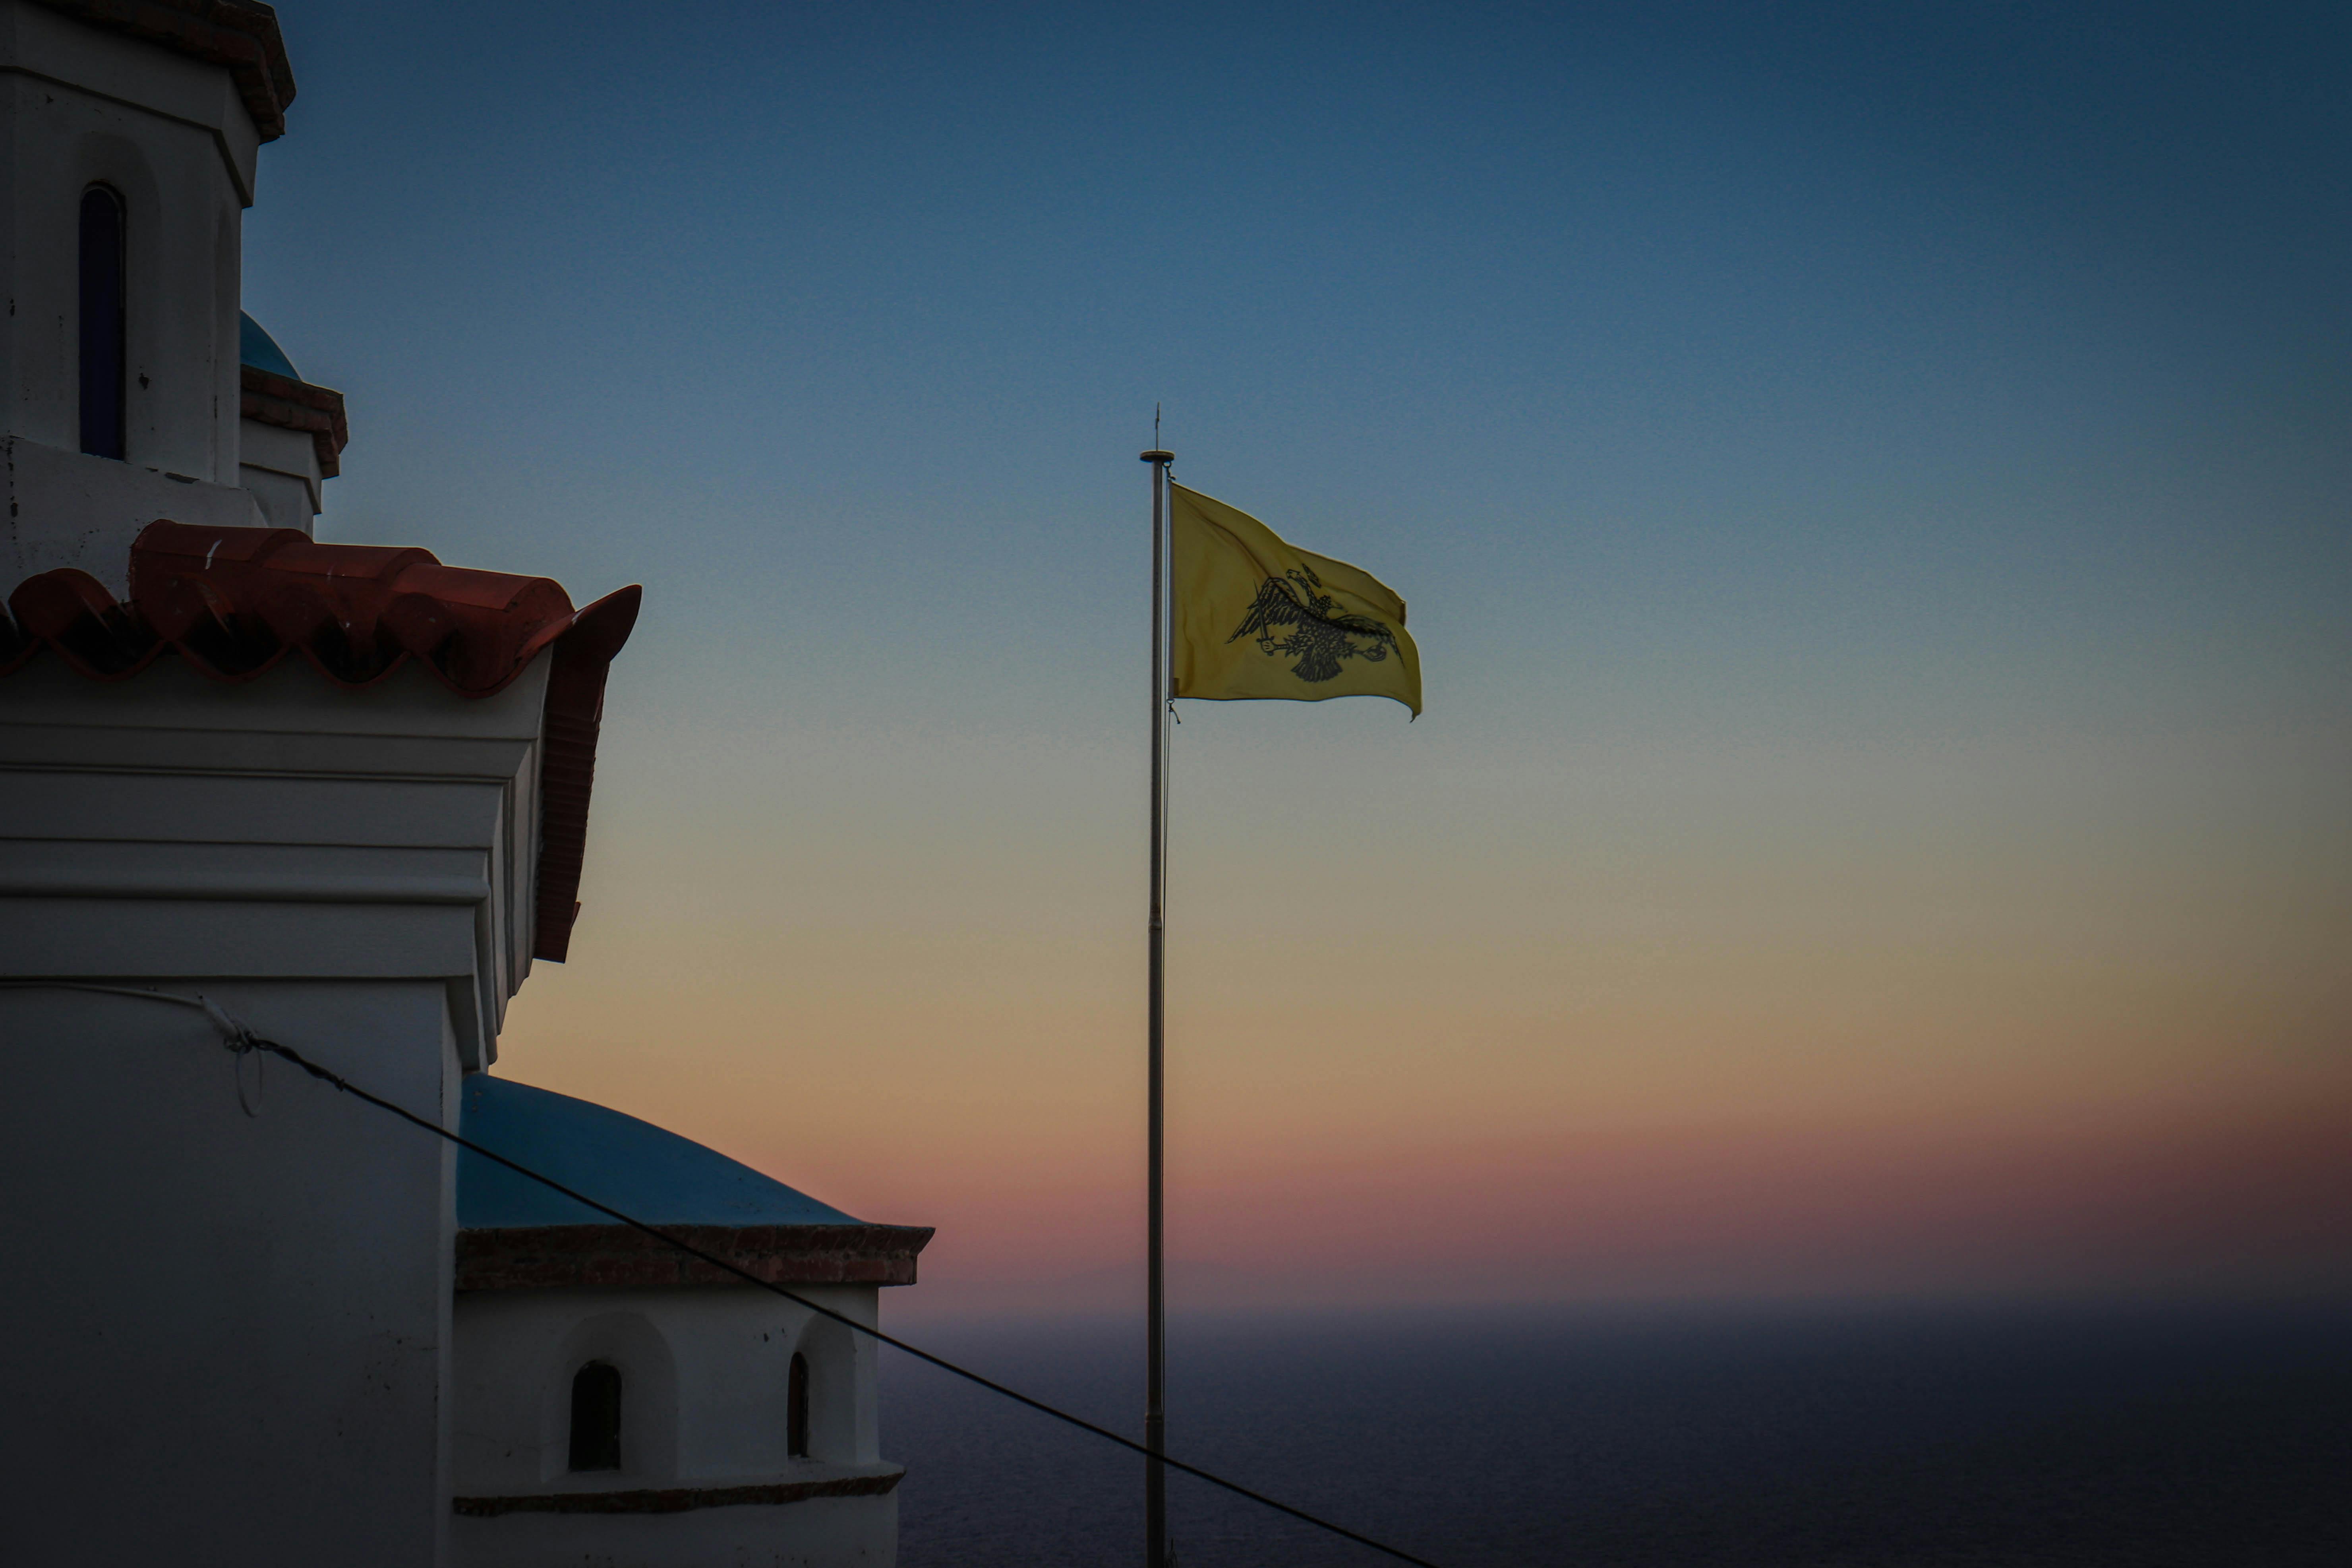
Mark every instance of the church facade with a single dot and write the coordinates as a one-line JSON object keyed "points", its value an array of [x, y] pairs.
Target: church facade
{"points": [[336, 795]]}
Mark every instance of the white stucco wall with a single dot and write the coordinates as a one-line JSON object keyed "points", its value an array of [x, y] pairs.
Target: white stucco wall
{"points": [[224, 1334], [280, 467], [169, 133], [227, 1338], [704, 1378], [67, 508], [704, 1369], [820, 1533]]}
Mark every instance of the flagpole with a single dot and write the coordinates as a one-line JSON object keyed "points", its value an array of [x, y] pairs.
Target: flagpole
{"points": [[1155, 1411]]}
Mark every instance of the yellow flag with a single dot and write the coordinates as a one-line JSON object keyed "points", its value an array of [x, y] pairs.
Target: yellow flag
{"points": [[1257, 618]]}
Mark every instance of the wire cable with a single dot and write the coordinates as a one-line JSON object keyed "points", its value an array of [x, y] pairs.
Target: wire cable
{"points": [[240, 1039]]}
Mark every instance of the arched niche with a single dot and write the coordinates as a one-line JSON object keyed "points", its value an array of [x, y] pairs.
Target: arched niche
{"points": [[831, 1352], [633, 1347]]}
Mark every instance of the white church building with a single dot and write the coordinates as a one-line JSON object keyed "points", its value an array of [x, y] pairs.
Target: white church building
{"points": [[339, 793]]}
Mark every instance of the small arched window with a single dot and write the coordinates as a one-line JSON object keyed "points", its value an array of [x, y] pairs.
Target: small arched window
{"points": [[596, 1417], [104, 291], [796, 1408]]}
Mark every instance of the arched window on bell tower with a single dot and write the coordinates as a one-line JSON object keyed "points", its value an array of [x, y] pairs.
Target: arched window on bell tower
{"points": [[104, 291], [796, 1408], [596, 1417]]}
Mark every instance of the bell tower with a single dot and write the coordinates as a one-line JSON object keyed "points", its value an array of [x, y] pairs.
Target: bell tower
{"points": [[128, 131]]}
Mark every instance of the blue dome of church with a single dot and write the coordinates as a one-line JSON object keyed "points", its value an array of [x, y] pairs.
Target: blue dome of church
{"points": [[645, 1172], [259, 349]]}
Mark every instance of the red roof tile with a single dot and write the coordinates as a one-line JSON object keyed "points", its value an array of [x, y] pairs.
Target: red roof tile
{"points": [[544, 1256], [236, 602], [291, 405]]}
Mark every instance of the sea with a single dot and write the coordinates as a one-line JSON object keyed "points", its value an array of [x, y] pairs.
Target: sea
{"points": [[2077, 1435]]}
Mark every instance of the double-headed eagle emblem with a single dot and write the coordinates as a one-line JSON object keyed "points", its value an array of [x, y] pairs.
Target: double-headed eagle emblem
{"points": [[1291, 618]]}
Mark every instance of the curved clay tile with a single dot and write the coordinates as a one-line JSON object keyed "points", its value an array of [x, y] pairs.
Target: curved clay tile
{"points": [[236, 602], [356, 611]]}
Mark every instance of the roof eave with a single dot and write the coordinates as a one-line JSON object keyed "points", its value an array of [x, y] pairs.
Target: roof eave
{"points": [[558, 1256]]}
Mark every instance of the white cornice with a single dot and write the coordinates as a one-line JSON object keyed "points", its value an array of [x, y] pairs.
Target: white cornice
{"points": [[171, 826]]}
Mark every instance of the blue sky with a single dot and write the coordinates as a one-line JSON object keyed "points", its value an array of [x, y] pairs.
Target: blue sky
{"points": [[1856, 469], [1767, 336]]}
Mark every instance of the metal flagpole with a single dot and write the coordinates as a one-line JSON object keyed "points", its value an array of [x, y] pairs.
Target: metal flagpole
{"points": [[1155, 1411]]}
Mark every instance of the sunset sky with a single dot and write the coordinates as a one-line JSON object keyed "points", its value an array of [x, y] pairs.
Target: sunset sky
{"points": [[1874, 486]]}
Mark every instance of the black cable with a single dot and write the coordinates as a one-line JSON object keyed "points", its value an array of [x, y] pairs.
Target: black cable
{"points": [[243, 1039]]}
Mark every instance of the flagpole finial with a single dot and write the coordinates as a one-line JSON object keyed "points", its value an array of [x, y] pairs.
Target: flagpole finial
{"points": [[1156, 456]]}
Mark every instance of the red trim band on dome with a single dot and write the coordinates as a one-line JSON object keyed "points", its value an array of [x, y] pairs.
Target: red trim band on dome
{"points": [[236, 602], [550, 1257]]}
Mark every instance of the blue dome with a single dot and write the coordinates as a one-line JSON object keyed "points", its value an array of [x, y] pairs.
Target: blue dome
{"points": [[259, 350], [645, 1173]]}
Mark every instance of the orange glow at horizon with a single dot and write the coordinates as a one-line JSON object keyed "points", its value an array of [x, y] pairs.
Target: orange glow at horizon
{"points": [[1805, 1052]]}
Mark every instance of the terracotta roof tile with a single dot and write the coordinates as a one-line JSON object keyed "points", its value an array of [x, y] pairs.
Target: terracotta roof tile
{"points": [[540, 1258], [293, 403], [236, 602]]}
